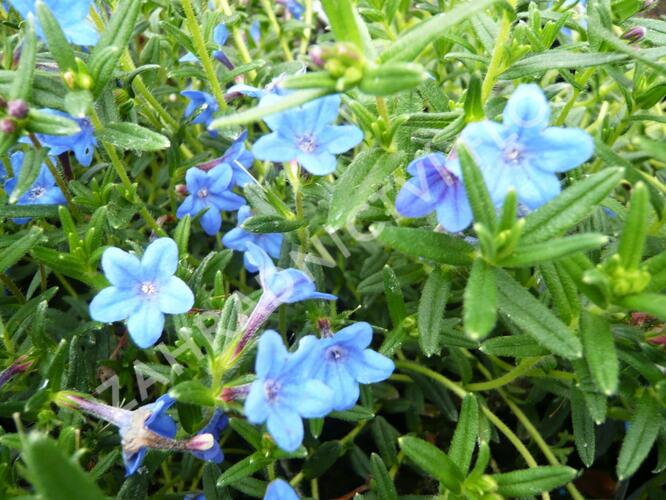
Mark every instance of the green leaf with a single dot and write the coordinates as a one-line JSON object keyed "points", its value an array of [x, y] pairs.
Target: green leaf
{"points": [[354, 188], [381, 484], [30, 168], [408, 46], [391, 78], [343, 22], [244, 468], [528, 482], [21, 87], [47, 123], [355, 414], [385, 436], [535, 319], [430, 315], [583, 427], [562, 290], [322, 459], [59, 47], [433, 461], [14, 252], [643, 429], [10, 211], [271, 224], [536, 253], [635, 230], [132, 136], [480, 300], [600, 354], [247, 431], [438, 247], [466, 434], [193, 392], [570, 207], [514, 346], [53, 474], [560, 59], [651, 303], [477, 192], [394, 298]]}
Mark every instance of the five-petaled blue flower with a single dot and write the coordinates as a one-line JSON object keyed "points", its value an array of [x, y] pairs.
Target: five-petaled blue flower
{"points": [[215, 425], [279, 489], [306, 134], [240, 160], [238, 238], [71, 15], [211, 191], [202, 102], [524, 153], [435, 187], [148, 426], [82, 144], [142, 291], [344, 361], [43, 191], [282, 394]]}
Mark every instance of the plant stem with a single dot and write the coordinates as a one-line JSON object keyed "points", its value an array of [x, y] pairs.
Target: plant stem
{"points": [[268, 8], [307, 18], [523, 367], [238, 40], [585, 76], [495, 65], [202, 53]]}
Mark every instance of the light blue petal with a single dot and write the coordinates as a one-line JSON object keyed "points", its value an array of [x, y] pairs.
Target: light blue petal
{"points": [[160, 259], [186, 208], [560, 149], [83, 33], [321, 296], [454, 212], [227, 201], [527, 112], [236, 239], [315, 399], [536, 187], [219, 178], [338, 139], [286, 428], [174, 296], [374, 367], [121, 268], [256, 409], [189, 57], [220, 34], [321, 112], [272, 355], [195, 178], [280, 490], [260, 259], [114, 304], [275, 120], [211, 221], [317, 164], [357, 335], [145, 324], [274, 147], [418, 197], [345, 389], [289, 286]]}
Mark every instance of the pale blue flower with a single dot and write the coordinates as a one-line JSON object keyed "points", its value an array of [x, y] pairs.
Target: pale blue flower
{"points": [[294, 7], [255, 31], [211, 191], [72, 16], [82, 144], [240, 160], [279, 489], [306, 134], [433, 187], [202, 102], [282, 394], [238, 238], [524, 153], [142, 291], [220, 36]]}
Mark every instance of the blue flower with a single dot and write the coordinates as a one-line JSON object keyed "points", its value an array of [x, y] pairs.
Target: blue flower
{"points": [[215, 425], [306, 134], [240, 160], [142, 291], [71, 15], [202, 102], [434, 187], [524, 153], [255, 31], [279, 489], [43, 191], [82, 144], [294, 8], [148, 426], [238, 238], [344, 361], [211, 191], [220, 36], [282, 394]]}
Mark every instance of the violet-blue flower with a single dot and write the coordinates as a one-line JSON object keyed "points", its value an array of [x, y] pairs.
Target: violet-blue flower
{"points": [[211, 191], [82, 144], [72, 16], [345, 361], [282, 394], [306, 134], [238, 238], [293, 7], [202, 102], [434, 187], [148, 426], [215, 425], [524, 153], [279, 489], [142, 291], [220, 36], [240, 159]]}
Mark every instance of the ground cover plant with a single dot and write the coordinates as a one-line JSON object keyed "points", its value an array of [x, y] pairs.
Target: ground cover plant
{"points": [[340, 249]]}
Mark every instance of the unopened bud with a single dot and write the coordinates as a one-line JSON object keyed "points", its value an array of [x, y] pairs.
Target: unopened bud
{"points": [[17, 108], [68, 76], [635, 34], [7, 126], [201, 442], [648, 3], [317, 56], [324, 327], [181, 189]]}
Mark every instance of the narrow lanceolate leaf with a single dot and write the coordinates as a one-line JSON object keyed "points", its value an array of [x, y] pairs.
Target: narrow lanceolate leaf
{"points": [[132, 136], [535, 319], [528, 482], [570, 207], [59, 47], [641, 435], [358, 183], [382, 484], [433, 461], [563, 290], [438, 247], [271, 224], [466, 434], [561, 59], [430, 313], [477, 192], [21, 87], [410, 44], [600, 354], [651, 303], [54, 475], [536, 253], [193, 392], [480, 300], [635, 228], [395, 301], [244, 468], [14, 252], [583, 427], [343, 22], [515, 346]]}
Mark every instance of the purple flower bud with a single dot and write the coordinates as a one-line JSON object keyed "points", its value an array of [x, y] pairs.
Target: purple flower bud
{"points": [[647, 4], [317, 56], [635, 34], [18, 108], [21, 364], [7, 126]]}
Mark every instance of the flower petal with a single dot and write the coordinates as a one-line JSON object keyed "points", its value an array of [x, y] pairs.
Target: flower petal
{"points": [[256, 409], [272, 355], [114, 304], [322, 163], [174, 296], [321, 112], [315, 399], [279, 489], [286, 427], [535, 187], [121, 268], [274, 147], [454, 212], [374, 367], [160, 259], [527, 112], [559, 149], [418, 198], [145, 325], [338, 139], [211, 220], [357, 335]]}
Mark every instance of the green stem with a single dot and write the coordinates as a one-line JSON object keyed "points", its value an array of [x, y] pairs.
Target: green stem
{"points": [[268, 8], [202, 53], [495, 65], [11, 286], [307, 18], [238, 39], [585, 76], [523, 367]]}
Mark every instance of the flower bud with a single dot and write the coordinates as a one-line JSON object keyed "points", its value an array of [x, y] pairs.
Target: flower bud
{"points": [[317, 56], [647, 4], [7, 126], [17, 108], [635, 34]]}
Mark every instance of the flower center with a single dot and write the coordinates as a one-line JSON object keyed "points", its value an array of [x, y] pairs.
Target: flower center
{"points": [[335, 354], [306, 143], [271, 390], [36, 192], [148, 288], [202, 193], [512, 154]]}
